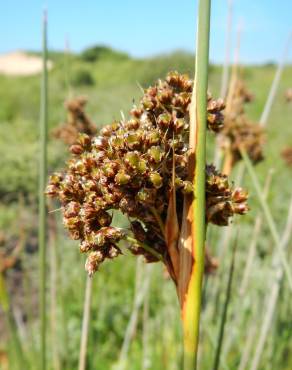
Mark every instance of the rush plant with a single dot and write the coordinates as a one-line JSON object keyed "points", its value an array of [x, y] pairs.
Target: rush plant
{"points": [[152, 168]]}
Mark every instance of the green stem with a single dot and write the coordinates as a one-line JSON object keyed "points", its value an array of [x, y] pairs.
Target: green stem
{"points": [[268, 216], [42, 199], [192, 304]]}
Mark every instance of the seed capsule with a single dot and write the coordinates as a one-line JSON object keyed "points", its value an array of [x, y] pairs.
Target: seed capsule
{"points": [[93, 261], [187, 187], [142, 166], [72, 209], [164, 120], [100, 143], [132, 159], [153, 137], [155, 153], [133, 141], [76, 149], [133, 124], [84, 140], [122, 178], [148, 103], [156, 179]]}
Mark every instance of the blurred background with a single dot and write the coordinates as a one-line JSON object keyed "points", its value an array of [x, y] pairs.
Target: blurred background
{"points": [[105, 51]]}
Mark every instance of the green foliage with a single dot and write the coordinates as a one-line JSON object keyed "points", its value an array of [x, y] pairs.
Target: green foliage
{"points": [[98, 52], [82, 77]]}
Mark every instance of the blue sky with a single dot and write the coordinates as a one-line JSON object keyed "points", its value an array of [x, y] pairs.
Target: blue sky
{"points": [[145, 28]]}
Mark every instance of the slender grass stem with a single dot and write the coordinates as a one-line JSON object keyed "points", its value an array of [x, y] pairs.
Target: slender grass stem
{"points": [[225, 74], [254, 240], [145, 336], [268, 216], [225, 309], [273, 294], [192, 302], [54, 291], [141, 289], [275, 83], [42, 199], [85, 324], [248, 346]]}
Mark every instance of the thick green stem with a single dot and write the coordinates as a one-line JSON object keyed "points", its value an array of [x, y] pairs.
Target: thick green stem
{"points": [[42, 199], [192, 303]]}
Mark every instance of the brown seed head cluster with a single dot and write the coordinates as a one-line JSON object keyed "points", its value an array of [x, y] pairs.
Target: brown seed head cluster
{"points": [[288, 95], [129, 167], [222, 200], [287, 156], [77, 122], [239, 131]]}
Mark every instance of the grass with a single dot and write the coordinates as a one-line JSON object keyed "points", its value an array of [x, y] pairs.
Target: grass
{"points": [[113, 288], [42, 236]]}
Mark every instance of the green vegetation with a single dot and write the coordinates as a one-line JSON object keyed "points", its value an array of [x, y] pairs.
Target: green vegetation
{"points": [[117, 80]]}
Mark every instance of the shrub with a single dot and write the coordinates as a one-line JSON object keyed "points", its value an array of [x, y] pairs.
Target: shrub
{"points": [[82, 77], [98, 52]]}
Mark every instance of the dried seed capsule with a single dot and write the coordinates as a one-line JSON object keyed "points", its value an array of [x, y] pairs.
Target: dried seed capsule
{"points": [[72, 209], [76, 149], [133, 124], [84, 140], [56, 179], [100, 143], [109, 129], [179, 124], [113, 251], [52, 190], [181, 100], [93, 261], [103, 218], [136, 112], [85, 246], [173, 79], [164, 120], [239, 195], [165, 96]]}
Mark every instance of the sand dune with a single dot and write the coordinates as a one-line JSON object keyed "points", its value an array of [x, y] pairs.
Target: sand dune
{"points": [[19, 63]]}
